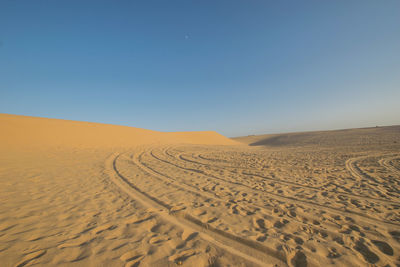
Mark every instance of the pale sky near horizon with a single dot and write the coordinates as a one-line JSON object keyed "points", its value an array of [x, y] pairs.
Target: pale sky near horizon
{"points": [[236, 67]]}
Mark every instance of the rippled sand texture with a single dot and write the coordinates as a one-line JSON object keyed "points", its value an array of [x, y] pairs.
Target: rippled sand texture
{"points": [[312, 199]]}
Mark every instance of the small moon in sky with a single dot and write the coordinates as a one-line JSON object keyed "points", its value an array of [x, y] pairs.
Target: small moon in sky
{"points": [[186, 36]]}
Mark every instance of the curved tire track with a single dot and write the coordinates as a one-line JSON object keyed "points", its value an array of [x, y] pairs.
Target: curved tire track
{"points": [[368, 198], [247, 249], [387, 163], [358, 215]]}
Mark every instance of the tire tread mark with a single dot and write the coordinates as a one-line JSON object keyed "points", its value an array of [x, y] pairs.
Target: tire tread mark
{"points": [[284, 182], [239, 246], [163, 177], [312, 204], [387, 163]]}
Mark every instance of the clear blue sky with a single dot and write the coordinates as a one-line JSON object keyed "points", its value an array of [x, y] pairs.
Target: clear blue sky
{"points": [[236, 67]]}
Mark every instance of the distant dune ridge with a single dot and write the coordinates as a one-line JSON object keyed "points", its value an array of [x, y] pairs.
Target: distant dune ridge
{"points": [[359, 136], [25, 131]]}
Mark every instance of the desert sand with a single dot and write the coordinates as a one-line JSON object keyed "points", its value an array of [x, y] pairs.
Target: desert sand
{"points": [[89, 194]]}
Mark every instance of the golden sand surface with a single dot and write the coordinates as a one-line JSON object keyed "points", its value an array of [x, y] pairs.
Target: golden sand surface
{"points": [[87, 194]]}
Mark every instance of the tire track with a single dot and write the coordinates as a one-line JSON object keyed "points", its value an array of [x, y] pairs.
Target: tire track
{"points": [[362, 176], [247, 249], [181, 185], [287, 183], [358, 215], [387, 163], [321, 189], [357, 173]]}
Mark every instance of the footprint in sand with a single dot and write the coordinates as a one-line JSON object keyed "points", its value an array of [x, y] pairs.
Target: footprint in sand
{"points": [[76, 242], [158, 239], [105, 227], [315, 222], [120, 245], [199, 212], [298, 240], [368, 255], [132, 257], [333, 254], [176, 208], [188, 235], [259, 223], [297, 259], [139, 220], [383, 246], [234, 210], [395, 235], [292, 213], [180, 257], [281, 223], [214, 219], [261, 238]]}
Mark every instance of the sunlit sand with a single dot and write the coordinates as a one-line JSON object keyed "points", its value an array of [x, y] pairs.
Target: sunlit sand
{"points": [[90, 194]]}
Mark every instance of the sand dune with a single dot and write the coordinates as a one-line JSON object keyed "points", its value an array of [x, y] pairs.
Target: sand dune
{"points": [[34, 132], [360, 136], [86, 194]]}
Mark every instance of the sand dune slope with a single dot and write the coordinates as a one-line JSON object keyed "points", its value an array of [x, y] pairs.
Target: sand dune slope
{"points": [[133, 197], [352, 137], [26, 132]]}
